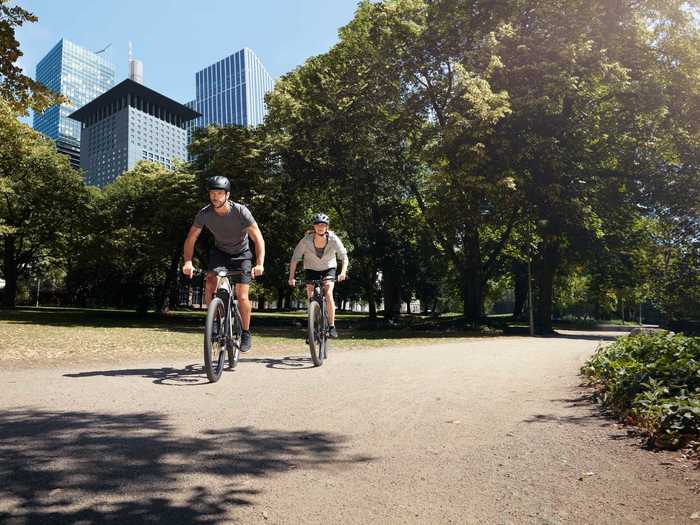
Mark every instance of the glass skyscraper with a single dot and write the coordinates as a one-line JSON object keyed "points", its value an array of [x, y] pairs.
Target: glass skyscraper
{"points": [[81, 76], [231, 91]]}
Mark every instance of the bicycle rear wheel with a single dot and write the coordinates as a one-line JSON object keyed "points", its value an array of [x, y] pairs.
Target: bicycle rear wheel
{"points": [[234, 346], [215, 339], [317, 338]]}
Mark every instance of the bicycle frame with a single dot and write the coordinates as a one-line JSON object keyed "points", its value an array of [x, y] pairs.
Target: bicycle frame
{"points": [[320, 297], [222, 283]]}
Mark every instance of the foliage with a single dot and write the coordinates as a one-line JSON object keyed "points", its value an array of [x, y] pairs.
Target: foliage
{"points": [[450, 141], [17, 89], [41, 200], [129, 249], [279, 202], [652, 381]]}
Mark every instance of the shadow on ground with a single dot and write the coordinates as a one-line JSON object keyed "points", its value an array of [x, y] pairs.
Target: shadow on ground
{"points": [[194, 375], [587, 337], [593, 416], [282, 326], [283, 363], [191, 375], [70, 467]]}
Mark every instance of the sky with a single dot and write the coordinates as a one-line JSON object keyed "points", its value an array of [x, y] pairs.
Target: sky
{"points": [[176, 38]]}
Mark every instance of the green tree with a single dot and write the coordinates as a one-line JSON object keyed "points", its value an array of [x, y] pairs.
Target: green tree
{"points": [[278, 203], [17, 89], [129, 252], [41, 199], [593, 89]]}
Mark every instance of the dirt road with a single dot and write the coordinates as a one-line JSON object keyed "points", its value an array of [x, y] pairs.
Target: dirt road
{"points": [[491, 430]]}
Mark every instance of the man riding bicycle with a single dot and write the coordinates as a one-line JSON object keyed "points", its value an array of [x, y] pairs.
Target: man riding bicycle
{"points": [[319, 249], [232, 225]]}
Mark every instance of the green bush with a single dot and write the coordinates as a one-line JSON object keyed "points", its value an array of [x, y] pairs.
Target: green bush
{"points": [[652, 381]]}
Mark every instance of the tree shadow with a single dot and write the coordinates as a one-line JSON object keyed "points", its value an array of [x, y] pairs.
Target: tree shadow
{"points": [[87, 467], [73, 317], [191, 375], [193, 322], [595, 415], [585, 337], [555, 418]]}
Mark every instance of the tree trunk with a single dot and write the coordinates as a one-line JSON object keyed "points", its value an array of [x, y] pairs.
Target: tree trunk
{"points": [[369, 295], [472, 287], [545, 286], [280, 298], [473, 299], [170, 278], [519, 271], [391, 289], [9, 296]]}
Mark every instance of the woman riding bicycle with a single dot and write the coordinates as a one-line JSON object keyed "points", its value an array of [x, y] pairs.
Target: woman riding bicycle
{"points": [[319, 249]]}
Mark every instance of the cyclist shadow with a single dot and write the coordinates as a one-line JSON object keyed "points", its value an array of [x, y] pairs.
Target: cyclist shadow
{"points": [[191, 375], [283, 363]]}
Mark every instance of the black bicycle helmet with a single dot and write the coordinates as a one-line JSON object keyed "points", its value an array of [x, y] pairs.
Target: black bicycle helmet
{"points": [[218, 183], [321, 218]]}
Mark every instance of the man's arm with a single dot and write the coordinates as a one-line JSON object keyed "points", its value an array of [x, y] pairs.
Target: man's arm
{"points": [[188, 250], [256, 236]]}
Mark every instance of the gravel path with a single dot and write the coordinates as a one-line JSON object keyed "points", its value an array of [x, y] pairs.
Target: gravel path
{"points": [[491, 431]]}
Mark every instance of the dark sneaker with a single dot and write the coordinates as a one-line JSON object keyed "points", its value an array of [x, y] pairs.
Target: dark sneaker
{"points": [[246, 341], [332, 332]]}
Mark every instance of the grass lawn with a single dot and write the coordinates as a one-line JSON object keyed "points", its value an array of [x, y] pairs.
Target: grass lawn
{"points": [[45, 336]]}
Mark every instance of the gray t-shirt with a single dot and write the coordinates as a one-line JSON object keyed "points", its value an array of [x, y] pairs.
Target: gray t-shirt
{"points": [[228, 230]]}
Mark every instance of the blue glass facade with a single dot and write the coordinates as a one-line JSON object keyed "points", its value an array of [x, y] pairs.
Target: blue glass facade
{"points": [[80, 75], [231, 91]]}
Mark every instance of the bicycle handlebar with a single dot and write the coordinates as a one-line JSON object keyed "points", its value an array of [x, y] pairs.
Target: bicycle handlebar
{"points": [[221, 271]]}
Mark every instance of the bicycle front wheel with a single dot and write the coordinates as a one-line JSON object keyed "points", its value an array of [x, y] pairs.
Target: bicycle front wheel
{"points": [[234, 346], [215, 340], [317, 337]]}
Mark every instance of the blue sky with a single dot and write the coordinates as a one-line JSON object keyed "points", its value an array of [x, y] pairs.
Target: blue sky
{"points": [[176, 38]]}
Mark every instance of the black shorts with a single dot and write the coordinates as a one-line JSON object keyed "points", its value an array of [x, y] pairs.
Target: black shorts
{"points": [[324, 275], [241, 262]]}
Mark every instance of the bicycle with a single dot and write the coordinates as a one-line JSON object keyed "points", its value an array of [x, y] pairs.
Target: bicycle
{"points": [[223, 329], [318, 324]]}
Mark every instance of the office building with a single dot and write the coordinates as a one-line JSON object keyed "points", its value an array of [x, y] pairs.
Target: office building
{"points": [[129, 123], [231, 91], [81, 76]]}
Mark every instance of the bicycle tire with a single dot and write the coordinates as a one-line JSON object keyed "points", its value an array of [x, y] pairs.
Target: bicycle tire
{"points": [[316, 335], [215, 339], [326, 337], [234, 346]]}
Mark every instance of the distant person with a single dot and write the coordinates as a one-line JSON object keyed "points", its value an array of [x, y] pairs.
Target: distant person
{"points": [[232, 225], [319, 248]]}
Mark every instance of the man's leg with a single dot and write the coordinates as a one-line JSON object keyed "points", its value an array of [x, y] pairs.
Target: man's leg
{"points": [[244, 305], [209, 287], [245, 308]]}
